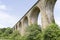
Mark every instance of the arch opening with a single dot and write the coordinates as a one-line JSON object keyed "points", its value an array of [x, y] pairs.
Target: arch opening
{"points": [[35, 16], [20, 26], [16, 27], [57, 12], [39, 19], [25, 22]]}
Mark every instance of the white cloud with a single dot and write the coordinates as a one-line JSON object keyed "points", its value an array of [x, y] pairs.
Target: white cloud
{"points": [[7, 20], [1, 26], [3, 7]]}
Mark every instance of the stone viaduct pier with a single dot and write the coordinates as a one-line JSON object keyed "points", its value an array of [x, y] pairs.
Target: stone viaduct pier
{"points": [[45, 8]]}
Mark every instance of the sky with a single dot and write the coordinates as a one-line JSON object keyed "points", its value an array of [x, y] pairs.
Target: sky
{"points": [[11, 11]]}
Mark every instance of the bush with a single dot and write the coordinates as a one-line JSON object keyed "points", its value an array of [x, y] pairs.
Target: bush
{"points": [[33, 32], [15, 35], [7, 32], [52, 32], [2, 30]]}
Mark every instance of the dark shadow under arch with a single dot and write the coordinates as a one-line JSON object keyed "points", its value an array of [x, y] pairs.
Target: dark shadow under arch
{"points": [[20, 27], [20, 24], [34, 15], [16, 27], [25, 22]]}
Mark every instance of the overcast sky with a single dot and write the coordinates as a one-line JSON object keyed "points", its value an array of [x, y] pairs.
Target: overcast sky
{"points": [[12, 10]]}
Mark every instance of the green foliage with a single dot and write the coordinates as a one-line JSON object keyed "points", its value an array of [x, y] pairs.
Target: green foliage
{"points": [[33, 32], [2, 30], [52, 32], [15, 35], [7, 32]]}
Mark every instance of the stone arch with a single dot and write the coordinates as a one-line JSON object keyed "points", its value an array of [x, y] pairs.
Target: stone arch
{"points": [[20, 26], [16, 26], [25, 21], [34, 15]]}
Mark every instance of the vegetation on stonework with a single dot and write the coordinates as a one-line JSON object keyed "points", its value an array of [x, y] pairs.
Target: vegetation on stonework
{"points": [[33, 32]]}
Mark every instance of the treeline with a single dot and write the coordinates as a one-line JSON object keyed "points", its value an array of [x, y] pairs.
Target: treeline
{"points": [[8, 34], [33, 32]]}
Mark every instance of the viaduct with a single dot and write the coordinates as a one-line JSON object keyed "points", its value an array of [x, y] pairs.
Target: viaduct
{"points": [[45, 8]]}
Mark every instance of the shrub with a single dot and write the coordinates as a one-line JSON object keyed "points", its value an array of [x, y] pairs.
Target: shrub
{"points": [[33, 32], [52, 32]]}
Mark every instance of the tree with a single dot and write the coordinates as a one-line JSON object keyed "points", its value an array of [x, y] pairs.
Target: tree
{"points": [[52, 32], [7, 32], [33, 32]]}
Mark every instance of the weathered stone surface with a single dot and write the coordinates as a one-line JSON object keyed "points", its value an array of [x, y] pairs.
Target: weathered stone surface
{"points": [[45, 7]]}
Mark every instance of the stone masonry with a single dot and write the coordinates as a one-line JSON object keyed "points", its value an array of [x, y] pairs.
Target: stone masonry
{"points": [[45, 8]]}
